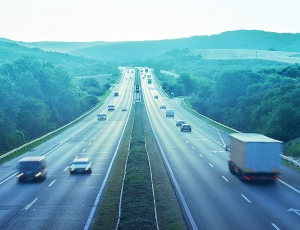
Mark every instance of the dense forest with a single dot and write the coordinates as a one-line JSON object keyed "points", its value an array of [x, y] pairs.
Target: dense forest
{"points": [[247, 95], [38, 95]]}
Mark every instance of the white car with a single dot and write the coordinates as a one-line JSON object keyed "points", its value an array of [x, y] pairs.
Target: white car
{"points": [[81, 165], [169, 113], [124, 108]]}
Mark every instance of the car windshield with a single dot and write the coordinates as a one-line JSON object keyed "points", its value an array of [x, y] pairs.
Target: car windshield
{"points": [[79, 162], [29, 165]]}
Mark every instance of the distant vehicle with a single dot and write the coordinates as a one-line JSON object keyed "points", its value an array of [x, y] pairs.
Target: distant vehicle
{"points": [[110, 107], [32, 168], [156, 97], [180, 123], [162, 107], [254, 156], [146, 70], [116, 94], [101, 116], [124, 108], [81, 165], [149, 80], [186, 128], [169, 113]]}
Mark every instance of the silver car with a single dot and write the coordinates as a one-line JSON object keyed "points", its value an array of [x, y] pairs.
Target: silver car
{"points": [[81, 165]]}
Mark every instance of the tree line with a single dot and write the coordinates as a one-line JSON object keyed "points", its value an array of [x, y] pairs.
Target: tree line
{"points": [[36, 98], [250, 99]]}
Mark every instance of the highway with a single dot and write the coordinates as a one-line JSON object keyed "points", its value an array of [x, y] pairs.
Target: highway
{"points": [[215, 198], [65, 201], [212, 197]]}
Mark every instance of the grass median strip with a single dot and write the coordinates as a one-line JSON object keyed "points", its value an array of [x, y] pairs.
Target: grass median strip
{"points": [[137, 205]]}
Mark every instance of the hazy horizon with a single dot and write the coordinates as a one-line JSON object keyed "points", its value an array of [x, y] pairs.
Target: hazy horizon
{"points": [[135, 20]]}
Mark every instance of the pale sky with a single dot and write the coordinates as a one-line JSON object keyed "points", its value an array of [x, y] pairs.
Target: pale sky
{"points": [[139, 20]]}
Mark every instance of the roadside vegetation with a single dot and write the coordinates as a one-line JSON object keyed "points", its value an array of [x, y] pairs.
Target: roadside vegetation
{"points": [[137, 158], [38, 97], [247, 95]]}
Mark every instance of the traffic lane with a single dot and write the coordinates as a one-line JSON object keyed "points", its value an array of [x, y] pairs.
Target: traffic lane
{"points": [[19, 195], [205, 191], [262, 222], [265, 202], [9, 168], [201, 179], [210, 131], [63, 153], [67, 210]]}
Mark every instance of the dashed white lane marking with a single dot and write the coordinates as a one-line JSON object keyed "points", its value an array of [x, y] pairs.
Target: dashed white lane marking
{"points": [[211, 165], [246, 198], [29, 205], [225, 178], [275, 226], [200, 155], [291, 187], [52, 183]]}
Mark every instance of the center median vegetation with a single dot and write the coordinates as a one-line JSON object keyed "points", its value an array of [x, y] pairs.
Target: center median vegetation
{"points": [[129, 200]]}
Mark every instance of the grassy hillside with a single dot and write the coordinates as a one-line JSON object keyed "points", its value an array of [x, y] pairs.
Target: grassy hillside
{"points": [[63, 47], [74, 65], [242, 39]]}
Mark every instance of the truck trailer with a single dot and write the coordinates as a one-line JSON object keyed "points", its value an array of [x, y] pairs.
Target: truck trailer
{"points": [[254, 156]]}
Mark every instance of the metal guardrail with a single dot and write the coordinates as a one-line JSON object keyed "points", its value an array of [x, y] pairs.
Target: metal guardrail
{"points": [[48, 134], [220, 124], [291, 159]]}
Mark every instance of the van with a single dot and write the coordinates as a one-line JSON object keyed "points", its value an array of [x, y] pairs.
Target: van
{"points": [[169, 113], [32, 168]]}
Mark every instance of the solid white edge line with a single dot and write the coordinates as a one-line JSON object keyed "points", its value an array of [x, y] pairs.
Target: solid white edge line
{"points": [[291, 187], [13, 175], [185, 206], [97, 200]]}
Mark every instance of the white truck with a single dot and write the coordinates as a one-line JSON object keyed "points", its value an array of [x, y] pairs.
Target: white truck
{"points": [[254, 156]]}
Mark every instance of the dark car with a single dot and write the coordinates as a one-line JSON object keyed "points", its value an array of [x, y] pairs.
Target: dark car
{"points": [[101, 116], [180, 123], [81, 165], [32, 168], [156, 97], [186, 128]]}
